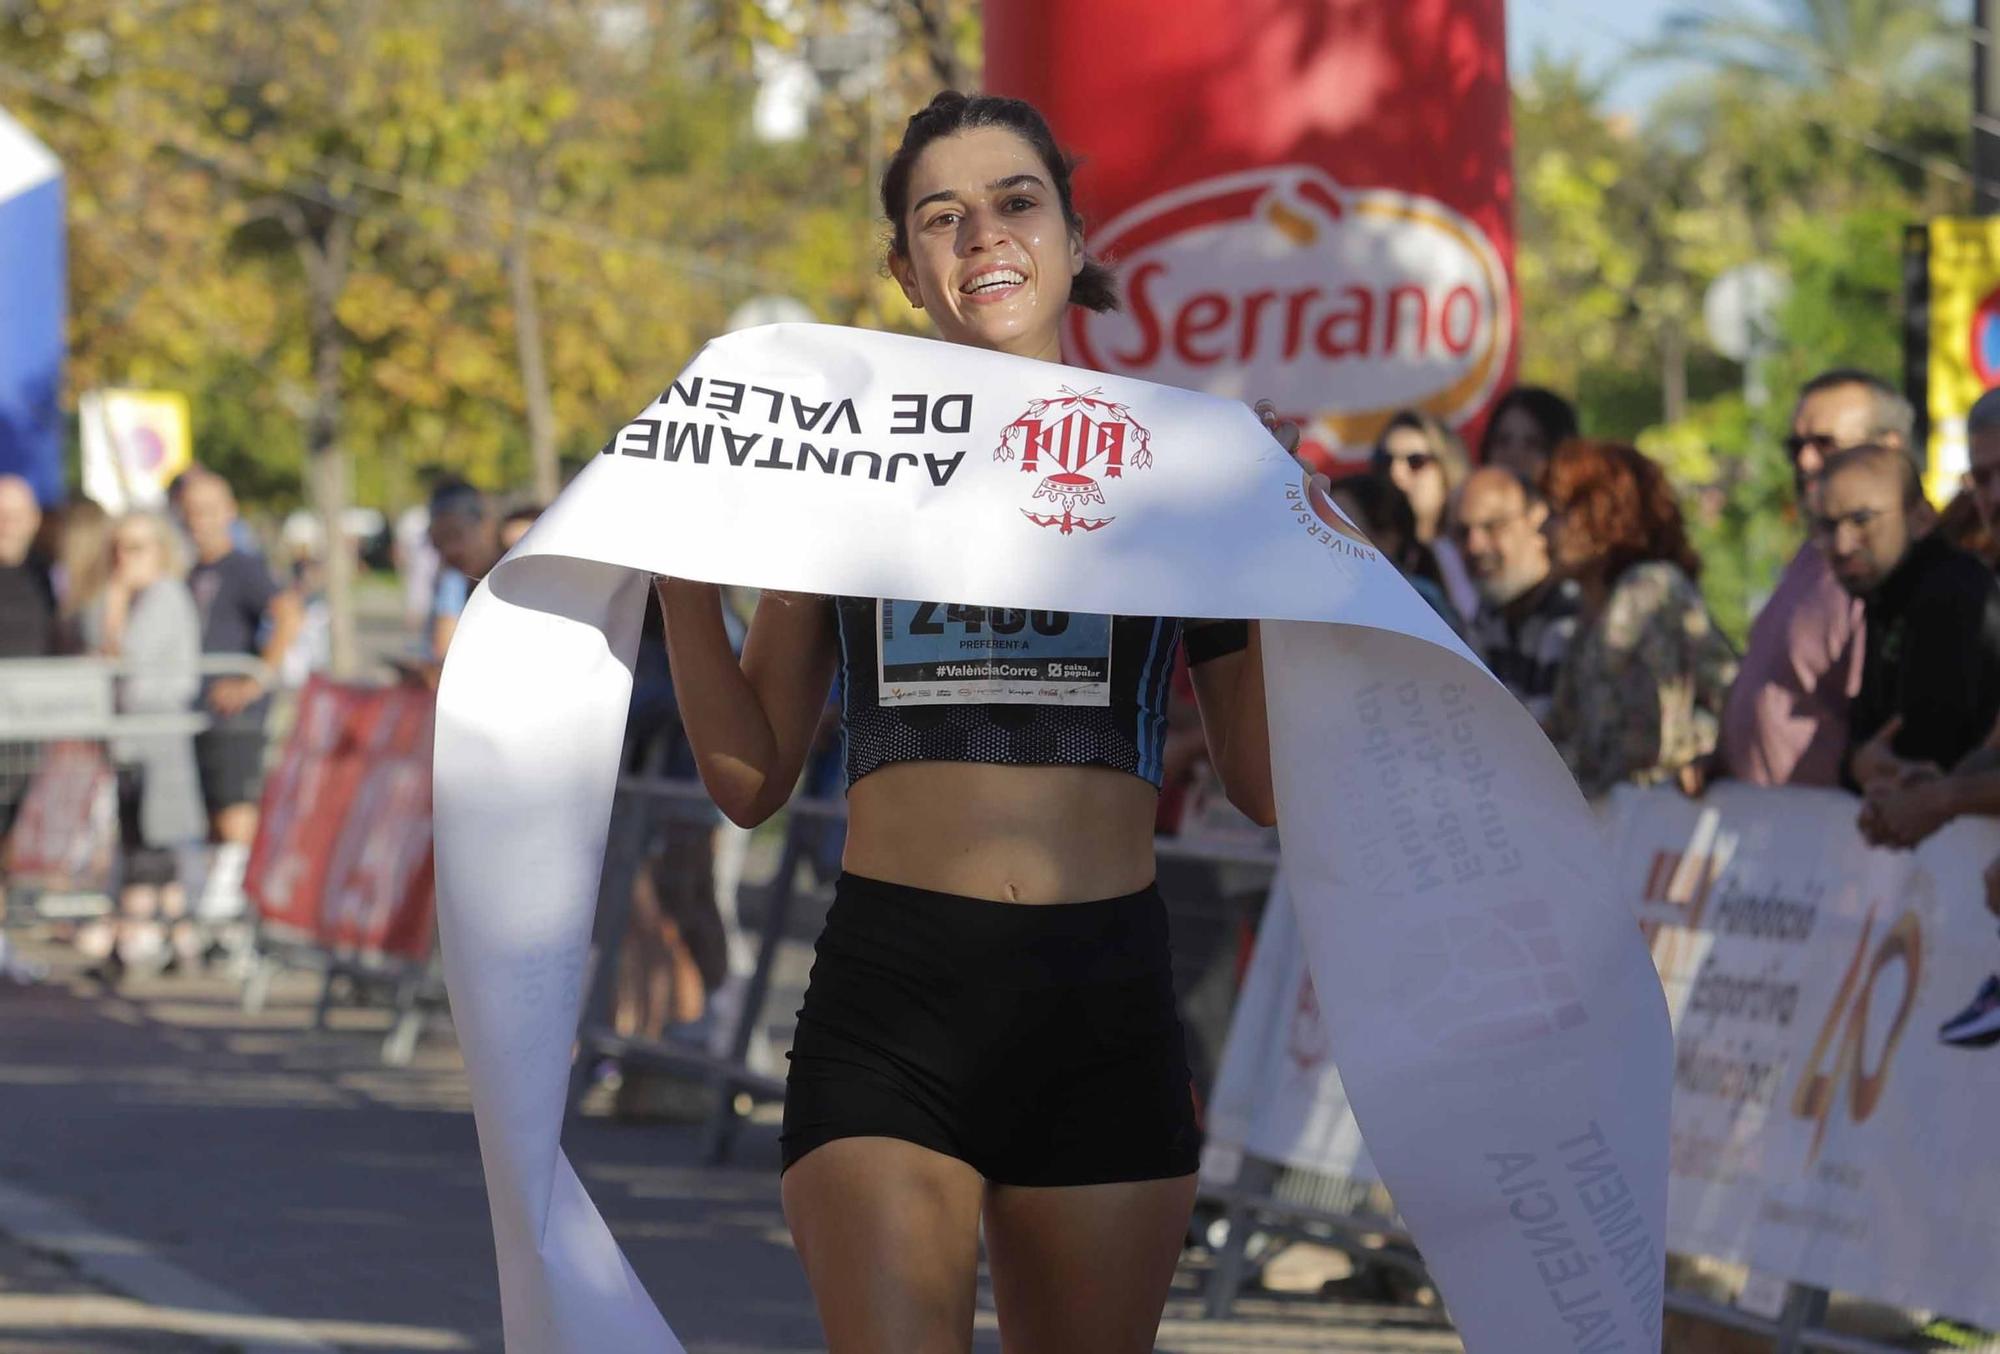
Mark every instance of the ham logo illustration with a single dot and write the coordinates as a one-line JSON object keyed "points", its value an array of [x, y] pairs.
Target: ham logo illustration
{"points": [[1340, 305]]}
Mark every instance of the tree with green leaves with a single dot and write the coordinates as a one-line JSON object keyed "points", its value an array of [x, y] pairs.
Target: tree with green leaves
{"points": [[372, 239], [1805, 142]]}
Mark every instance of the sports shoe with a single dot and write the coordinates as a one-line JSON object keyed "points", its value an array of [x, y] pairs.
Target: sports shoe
{"points": [[1957, 1335], [1978, 1025]]}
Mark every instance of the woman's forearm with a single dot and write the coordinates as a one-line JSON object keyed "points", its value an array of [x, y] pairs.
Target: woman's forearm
{"points": [[1238, 727], [734, 746]]}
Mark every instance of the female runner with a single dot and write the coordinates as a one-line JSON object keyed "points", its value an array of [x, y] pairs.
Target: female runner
{"points": [[989, 1033]]}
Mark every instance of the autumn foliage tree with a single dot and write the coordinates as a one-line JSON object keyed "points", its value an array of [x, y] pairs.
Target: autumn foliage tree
{"points": [[374, 239]]}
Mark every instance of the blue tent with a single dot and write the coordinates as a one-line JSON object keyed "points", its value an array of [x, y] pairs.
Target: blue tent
{"points": [[32, 298]]}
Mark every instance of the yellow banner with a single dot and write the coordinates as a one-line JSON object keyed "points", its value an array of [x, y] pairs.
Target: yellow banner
{"points": [[134, 443], [1964, 336]]}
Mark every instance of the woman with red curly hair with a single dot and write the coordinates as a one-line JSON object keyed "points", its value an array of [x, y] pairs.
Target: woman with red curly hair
{"points": [[1641, 694]]}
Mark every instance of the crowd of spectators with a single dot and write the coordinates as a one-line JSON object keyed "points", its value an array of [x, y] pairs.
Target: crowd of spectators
{"points": [[182, 607], [1569, 564], [1874, 664]]}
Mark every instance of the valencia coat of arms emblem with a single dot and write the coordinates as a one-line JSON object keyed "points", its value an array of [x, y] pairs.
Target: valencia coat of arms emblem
{"points": [[1071, 440]]}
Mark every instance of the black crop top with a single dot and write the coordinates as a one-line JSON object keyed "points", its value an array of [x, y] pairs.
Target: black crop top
{"points": [[926, 681]]}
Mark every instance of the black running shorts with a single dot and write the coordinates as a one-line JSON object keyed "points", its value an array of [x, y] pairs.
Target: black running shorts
{"points": [[1038, 1044], [230, 758]]}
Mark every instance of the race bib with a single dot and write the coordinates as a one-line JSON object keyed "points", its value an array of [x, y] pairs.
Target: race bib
{"points": [[932, 653]]}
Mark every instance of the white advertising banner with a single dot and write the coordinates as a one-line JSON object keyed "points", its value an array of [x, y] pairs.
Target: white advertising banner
{"points": [[1823, 1128], [1503, 1037]]}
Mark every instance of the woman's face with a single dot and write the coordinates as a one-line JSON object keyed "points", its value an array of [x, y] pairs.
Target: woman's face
{"points": [[1571, 547], [990, 255], [135, 555], [1413, 467], [1519, 443]]}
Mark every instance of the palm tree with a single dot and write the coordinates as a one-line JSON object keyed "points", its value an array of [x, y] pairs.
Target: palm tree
{"points": [[1801, 79], [1878, 44]]}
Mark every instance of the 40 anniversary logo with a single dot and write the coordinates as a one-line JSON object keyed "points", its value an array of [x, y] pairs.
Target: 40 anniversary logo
{"points": [[1837, 1071]]}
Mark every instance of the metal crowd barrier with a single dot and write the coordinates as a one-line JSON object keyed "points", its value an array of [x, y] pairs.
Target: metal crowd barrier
{"points": [[413, 993], [47, 701], [730, 1078]]}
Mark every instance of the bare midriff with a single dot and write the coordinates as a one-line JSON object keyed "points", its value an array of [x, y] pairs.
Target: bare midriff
{"points": [[1012, 834]]}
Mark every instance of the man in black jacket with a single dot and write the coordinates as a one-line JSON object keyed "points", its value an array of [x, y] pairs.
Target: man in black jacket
{"points": [[1930, 676]]}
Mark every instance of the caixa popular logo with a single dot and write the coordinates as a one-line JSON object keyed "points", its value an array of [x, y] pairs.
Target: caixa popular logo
{"points": [[1071, 443], [1340, 305]]}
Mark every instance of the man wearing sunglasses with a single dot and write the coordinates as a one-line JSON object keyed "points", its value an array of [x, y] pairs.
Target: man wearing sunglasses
{"points": [[1786, 721]]}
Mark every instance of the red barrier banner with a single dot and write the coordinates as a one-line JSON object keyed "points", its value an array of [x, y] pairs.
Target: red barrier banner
{"points": [[378, 897], [1307, 203], [304, 803], [65, 834], [342, 857]]}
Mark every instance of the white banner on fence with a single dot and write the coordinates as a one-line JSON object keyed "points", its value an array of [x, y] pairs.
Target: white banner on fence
{"points": [[1822, 1129], [1502, 1034]]}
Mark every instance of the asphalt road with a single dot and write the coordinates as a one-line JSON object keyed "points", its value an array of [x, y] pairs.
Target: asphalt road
{"points": [[176, 1175]]}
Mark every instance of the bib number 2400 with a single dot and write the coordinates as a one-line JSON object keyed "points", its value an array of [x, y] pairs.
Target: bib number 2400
{"points": [[933, 617]]}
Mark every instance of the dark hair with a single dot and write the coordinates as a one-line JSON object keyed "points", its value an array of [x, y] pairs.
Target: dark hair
{"points": [[1443, 442], [1833, 378], [1095, 288], [1618, 500], [1553, 414], [526, 515], [453, 497], [1385, 509], [1960, 524], [177, 487], [1984, 415]]}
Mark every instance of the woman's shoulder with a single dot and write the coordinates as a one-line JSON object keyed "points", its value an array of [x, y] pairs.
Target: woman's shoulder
{"points": [[169, 600]]}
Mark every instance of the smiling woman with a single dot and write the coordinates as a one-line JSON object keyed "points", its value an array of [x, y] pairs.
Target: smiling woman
{"points": [[984, 232], [989, 1042]]}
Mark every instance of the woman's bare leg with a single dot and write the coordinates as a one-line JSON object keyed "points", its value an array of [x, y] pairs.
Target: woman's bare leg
{"points": [[889, 1235], [1085, 1269]]}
